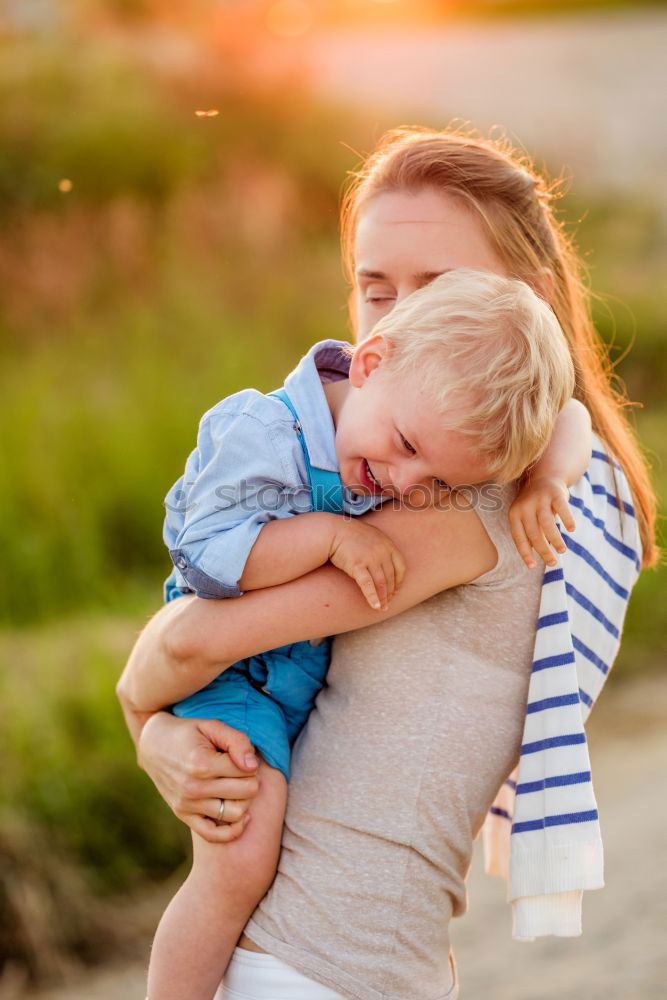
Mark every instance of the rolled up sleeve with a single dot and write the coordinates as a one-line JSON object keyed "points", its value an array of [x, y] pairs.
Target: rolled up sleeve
{"points": [[242, 474]]}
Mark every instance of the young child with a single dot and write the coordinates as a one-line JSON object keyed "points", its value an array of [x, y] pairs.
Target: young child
{"points": [[461, 383]]}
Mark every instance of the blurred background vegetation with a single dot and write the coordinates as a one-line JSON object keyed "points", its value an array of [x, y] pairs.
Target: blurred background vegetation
{"points": [[152, 260]]}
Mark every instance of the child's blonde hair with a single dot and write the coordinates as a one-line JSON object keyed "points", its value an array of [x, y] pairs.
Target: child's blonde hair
{"points": [[491, 357]]}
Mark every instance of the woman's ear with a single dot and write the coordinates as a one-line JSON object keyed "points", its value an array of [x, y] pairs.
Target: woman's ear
{"points": [[366, 357], [544, 284]]}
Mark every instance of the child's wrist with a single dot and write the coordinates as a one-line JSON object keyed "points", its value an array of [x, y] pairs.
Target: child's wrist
{"points": [[547, 474], [340, 528], [330, 526]]}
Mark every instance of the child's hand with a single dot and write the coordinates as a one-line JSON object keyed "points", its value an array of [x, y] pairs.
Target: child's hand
{"points": [[533, 519], [367, 555]]}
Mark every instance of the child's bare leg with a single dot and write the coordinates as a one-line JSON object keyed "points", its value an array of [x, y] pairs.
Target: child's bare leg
{"points": [[200, 927]]}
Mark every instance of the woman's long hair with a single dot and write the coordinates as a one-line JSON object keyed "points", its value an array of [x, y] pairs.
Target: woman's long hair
{"points": [[515, 205]]}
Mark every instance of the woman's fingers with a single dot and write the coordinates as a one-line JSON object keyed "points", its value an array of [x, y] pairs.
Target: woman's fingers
{"points": [[232, 788], [194, 791], [232, 813], [233, 743], [207, 828]]}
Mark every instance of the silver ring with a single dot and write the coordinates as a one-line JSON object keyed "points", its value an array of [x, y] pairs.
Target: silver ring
{"points": [[221, 813]]}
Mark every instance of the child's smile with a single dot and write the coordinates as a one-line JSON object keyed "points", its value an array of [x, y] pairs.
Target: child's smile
{"points": [[389, 439], [367, 478]]}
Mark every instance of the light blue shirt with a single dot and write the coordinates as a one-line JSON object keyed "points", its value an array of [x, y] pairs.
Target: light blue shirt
{"points": [[248, 468]]}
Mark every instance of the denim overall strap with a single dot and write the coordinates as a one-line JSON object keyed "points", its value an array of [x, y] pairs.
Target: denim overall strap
{"points": [[326, 488]]}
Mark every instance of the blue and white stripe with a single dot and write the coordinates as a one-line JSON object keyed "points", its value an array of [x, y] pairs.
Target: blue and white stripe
{"points": [[555, 844]]}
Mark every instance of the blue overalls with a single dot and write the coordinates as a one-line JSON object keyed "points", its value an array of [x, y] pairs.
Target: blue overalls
{"points": [[269, 696]]}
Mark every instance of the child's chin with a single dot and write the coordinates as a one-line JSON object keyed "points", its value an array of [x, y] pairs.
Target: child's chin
{"points": [[359, 490]]}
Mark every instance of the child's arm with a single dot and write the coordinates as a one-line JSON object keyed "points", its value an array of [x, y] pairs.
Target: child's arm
{"points": [[568, 454], [364, 552], [545, 493], [189, 642], [234, 520], [293, 546]]}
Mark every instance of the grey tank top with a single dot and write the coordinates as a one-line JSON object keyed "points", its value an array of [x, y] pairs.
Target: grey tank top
{"points": [[393, 775]]}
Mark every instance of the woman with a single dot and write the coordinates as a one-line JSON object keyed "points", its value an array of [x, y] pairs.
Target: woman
{"points": [[424, 714]]}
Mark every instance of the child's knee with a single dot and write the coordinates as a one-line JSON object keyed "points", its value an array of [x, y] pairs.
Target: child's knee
{"points": [[255, 861], [243, 868]]}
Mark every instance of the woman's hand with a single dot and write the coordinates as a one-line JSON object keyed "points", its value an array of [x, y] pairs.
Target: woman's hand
{"points": [[194, 763]]}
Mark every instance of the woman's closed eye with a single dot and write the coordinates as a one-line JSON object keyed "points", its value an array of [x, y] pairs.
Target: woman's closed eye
{"points": [[376, 296], [408, 447]]}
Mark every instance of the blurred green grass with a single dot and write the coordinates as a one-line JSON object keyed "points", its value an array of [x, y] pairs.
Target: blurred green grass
{"points": [[192, 257]]}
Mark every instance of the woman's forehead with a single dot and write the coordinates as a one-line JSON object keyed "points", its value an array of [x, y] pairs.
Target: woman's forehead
{"points": [[400, 233], [424, 206]]}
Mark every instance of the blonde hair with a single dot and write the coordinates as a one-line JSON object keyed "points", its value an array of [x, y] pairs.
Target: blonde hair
{"points": [[491, 359], [514, 204]]}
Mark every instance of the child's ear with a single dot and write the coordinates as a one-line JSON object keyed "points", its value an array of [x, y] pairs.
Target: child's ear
{"points": [[366, 357]]}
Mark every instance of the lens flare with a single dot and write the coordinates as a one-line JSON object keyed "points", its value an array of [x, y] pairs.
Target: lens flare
{"points": [[65, 185]]}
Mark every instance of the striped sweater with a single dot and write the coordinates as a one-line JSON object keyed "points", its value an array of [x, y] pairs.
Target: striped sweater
{"points": [[543, 833]]}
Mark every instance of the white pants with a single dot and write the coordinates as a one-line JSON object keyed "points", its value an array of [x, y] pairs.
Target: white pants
{"points": [[253, 975]]}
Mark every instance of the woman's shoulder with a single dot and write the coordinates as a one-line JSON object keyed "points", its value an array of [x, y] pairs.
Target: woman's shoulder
{"points": [[607, 538], [491, 503], [603, 494]]}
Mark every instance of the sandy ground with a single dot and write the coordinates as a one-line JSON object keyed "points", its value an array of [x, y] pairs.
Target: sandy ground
{"points": [[623, 950], [622, 954]]}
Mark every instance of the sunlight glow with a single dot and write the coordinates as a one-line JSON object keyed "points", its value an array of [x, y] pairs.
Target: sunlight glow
{"points": [[211, 113], [65, 185], [289, 18]]}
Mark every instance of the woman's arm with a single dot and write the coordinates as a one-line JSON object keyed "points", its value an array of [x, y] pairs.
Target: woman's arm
{"points": [[189, 641]]}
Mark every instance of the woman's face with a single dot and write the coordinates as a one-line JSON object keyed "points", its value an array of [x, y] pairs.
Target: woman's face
{"points": [[404, 240]]}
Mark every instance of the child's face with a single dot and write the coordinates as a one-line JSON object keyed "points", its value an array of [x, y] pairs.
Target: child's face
{"points": [[389, 438]]}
